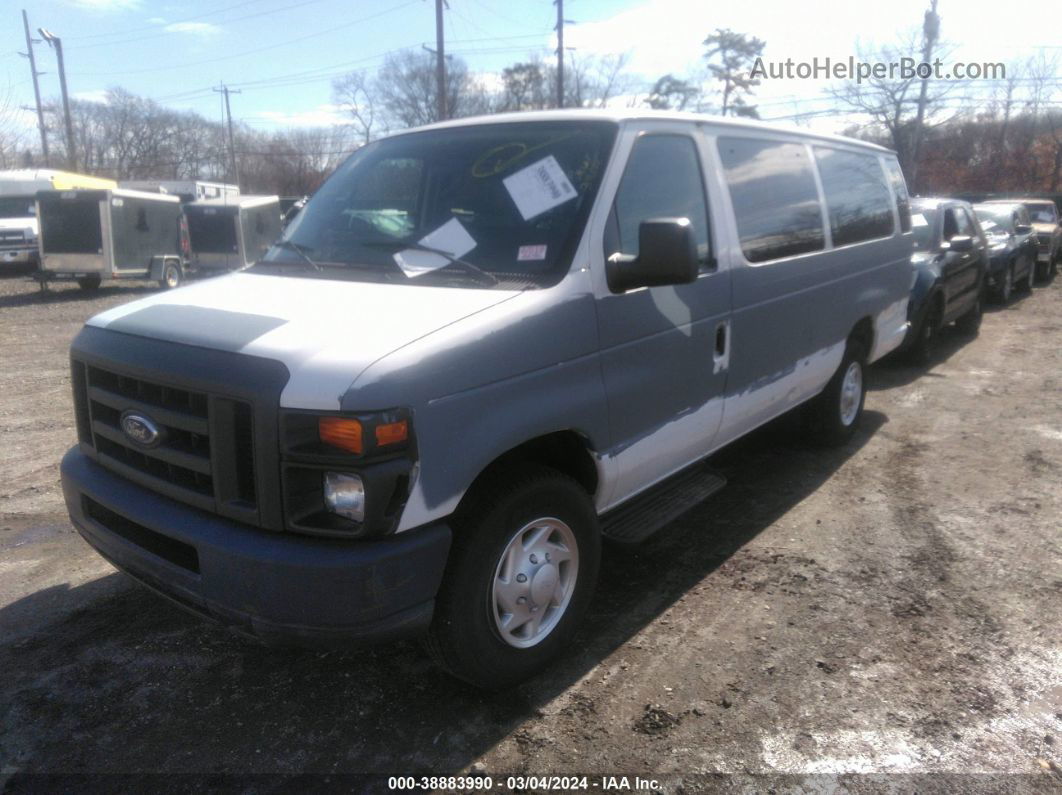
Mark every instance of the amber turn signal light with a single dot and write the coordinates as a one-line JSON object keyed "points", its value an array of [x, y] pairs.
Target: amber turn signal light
{"points": [[341, 432], [392, 433]]}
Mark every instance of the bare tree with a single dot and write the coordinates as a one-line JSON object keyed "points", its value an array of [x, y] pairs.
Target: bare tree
{"points": [[12, 136], [891, 101], [405, 88], [353, 92]]}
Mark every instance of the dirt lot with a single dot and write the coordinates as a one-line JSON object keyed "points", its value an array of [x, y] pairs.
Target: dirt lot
{"points": [[893, 607]]}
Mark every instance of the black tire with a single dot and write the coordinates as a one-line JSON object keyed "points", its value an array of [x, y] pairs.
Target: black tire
{"points": [[172, 275], [970, 323], [826, 421], [925, 341], [1030, 279], [1006, 287], [464, 637], [89, 282]]}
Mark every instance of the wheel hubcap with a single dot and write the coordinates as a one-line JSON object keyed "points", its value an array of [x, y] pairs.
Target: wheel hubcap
{"points": [[534, 582], [851, 393]]}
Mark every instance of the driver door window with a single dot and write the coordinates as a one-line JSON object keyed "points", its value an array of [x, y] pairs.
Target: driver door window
{"points": [[662, 180]]}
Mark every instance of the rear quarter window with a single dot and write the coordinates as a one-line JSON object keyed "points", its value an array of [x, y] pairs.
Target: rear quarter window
{"points": [[857, 197], [899, 191], [776, 202]]}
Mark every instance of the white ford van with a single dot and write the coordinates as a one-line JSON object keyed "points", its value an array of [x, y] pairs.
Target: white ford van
{"points": [[482, 347]]}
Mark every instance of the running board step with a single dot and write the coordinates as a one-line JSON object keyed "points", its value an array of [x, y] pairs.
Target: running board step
{"points": [[640, 517]]}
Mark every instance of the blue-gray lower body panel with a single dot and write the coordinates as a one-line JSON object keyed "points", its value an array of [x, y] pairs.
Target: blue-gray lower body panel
{"points": [[279, 587]]}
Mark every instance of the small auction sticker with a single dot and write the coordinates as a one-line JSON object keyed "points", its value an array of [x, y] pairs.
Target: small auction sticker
{"points": [[526, 253]]}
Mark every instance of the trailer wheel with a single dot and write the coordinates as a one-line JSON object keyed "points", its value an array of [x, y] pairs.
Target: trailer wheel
{"points": [[172, 275], [89, 282]]}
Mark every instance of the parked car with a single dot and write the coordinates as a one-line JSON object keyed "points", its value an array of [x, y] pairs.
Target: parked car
{"points": [[1011, 248], [96, 236], [950, 261], [1045, 222], [481, 347]]}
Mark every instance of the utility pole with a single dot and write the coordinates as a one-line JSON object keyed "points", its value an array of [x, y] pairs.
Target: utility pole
{"points": [[560, 52], [224, 89], [57, 43], [36, 87], [440, 62], [930, 33]]}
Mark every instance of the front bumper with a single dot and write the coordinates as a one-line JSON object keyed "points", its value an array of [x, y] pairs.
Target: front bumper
{"points": [[278, 587], [18, 256]]}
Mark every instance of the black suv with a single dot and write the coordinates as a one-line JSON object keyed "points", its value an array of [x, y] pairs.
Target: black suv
{"points": [[1011, 248], [950, 261]]}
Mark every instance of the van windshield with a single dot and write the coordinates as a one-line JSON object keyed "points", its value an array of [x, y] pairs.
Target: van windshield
{"points": [[484, 205], [18, 207]]}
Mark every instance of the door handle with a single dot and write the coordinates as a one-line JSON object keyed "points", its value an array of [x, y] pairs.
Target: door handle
{"points": [[720, 340]]}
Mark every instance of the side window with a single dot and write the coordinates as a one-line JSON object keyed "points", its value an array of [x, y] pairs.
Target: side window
{"points": [[951, 225], [662, 180], [963, 223], [899, 190], [776, 202], [856, 195]]}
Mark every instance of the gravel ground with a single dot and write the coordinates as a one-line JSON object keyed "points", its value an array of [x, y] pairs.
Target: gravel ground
{"points": [[889, 608]]}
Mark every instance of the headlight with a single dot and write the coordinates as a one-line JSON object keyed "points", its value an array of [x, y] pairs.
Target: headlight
{"points": [[344, 495]]}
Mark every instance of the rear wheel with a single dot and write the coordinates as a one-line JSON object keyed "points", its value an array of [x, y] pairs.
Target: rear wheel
{"points": [[89, 282], [172, 275], [520, 575], [970, 323], [832, 418]]}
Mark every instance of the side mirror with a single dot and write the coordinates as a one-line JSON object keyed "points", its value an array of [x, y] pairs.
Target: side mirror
{"points": [[1023, 229], [667, 254], [961, 243]]}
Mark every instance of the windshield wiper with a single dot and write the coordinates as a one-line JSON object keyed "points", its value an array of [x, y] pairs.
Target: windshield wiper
{"points": [[300, 250], [474, 269]]}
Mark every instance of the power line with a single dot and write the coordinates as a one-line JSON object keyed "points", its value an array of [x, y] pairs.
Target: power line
{"points": [[166, 32], [256, 50], [173, 22]]}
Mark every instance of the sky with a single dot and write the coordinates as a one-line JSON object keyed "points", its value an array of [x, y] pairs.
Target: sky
{"points": [[283, 54]]}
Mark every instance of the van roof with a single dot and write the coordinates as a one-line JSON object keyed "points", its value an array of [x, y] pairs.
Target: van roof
{"points": [[620, 115]]}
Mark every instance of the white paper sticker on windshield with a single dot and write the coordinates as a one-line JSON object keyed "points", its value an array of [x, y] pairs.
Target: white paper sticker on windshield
{"points": [[451, 237], [917, 219], [539, 187]]}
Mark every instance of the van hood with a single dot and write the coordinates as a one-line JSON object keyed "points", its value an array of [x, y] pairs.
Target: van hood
{"points": [[325, 332]]}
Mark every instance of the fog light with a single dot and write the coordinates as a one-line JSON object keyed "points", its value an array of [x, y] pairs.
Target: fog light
{"points": [[344, 495]]}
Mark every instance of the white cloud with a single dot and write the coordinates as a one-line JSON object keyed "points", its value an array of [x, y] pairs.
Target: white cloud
{"points": [[106, 5], [321, 116], [195, 28], [98, 95], [157, 21]]}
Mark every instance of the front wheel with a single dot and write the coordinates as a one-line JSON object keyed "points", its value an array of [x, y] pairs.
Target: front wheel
{"points": [[833, 416], [970, 323], [1006, 286], [520, 575], [89, 283], [1030, 277]]}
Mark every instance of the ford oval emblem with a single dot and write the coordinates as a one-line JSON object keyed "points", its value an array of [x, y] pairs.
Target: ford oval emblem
{"points": [[141, 429]]}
